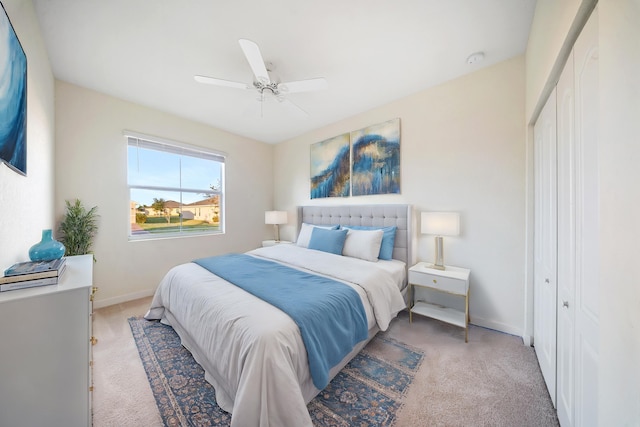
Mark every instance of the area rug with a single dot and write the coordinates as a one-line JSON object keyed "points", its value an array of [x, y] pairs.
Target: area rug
{"points": [[369, 391]]}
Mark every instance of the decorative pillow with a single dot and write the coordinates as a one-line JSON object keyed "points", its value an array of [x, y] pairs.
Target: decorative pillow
{"points": [[388, 238], [305, 233], [331, 241], [363, 244]]}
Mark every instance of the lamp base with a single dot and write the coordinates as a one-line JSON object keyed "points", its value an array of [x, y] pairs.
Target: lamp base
{"points": [[439, 264], [436, 267]]}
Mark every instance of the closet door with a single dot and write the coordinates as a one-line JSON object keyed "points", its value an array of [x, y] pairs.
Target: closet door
{"points": [[587, 225], [545, 243], [565, 400], [578, 276]]}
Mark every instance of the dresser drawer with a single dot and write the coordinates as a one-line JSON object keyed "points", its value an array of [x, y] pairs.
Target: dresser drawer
{"points": [[445, 284]]}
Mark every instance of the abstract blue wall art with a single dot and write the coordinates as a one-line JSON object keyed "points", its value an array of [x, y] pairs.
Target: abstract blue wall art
{"points": [[330, 167], [376, 159], [13, 98]]}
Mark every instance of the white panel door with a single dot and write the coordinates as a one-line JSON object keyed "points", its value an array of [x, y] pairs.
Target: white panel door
{"points": [[587, 225], [545, 243], [566, 144]]}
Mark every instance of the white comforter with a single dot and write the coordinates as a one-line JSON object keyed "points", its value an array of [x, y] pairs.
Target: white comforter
{"points": [[252, 352]]}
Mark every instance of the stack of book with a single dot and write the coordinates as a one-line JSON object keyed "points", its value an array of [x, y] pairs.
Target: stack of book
{"points": [[32, 273]]}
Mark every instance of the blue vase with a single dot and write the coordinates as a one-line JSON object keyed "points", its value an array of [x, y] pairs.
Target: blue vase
{"points": [[47, 249]]}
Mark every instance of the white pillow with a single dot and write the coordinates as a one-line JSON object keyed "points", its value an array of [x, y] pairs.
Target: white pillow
{"points": [[363, 244], [306, 230]]}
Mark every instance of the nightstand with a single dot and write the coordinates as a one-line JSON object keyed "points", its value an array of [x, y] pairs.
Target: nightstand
{"points": [[453, 280], [266, 243]]}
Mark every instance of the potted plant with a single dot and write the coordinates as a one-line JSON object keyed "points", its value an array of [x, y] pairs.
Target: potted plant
{"points": [[78, 228]]}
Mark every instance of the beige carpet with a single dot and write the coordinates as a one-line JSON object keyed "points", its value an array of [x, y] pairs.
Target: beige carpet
{"points": [[494, 380]]}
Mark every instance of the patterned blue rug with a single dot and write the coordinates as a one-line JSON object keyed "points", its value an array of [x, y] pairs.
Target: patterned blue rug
{"points": [[367, 392]]}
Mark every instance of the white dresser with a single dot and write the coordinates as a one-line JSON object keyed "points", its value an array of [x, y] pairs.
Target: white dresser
{"points": [[45, 351]]}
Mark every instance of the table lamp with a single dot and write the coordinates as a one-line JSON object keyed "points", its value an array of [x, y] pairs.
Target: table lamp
{"points": [[276, 218], [440, 224]]}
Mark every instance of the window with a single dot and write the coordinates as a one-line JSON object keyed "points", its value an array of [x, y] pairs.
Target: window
{"points": [[174, 189]]}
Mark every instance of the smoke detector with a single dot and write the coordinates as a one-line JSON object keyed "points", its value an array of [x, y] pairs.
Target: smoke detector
{"points": [[475, 57]]}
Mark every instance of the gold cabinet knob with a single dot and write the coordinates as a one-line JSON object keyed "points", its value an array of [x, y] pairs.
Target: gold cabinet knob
{"points": [[435, 281], [94, 340]]}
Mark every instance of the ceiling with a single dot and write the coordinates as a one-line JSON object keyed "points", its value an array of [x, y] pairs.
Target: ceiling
{"points": [[371, 52]]}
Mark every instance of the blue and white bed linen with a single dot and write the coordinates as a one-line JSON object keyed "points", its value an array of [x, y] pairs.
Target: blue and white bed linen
{"points": [[252, 352], [329, 314]]}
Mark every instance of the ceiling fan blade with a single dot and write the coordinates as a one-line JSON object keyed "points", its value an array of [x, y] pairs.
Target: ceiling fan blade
{"points": [[309, 85], [221, 82], [254, 57], [293, 107]]}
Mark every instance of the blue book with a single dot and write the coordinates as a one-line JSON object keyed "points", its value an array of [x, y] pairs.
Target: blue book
{"points": [[31, 267]]}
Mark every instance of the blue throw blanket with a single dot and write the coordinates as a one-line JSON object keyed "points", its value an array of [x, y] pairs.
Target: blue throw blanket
{"points": [[329, 314]]}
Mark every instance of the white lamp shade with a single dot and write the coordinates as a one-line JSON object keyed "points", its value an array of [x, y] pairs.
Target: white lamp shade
{"points": [[275, 217], [440, 223]]}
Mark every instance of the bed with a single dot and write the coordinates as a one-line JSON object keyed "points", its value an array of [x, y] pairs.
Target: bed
{"points": [[254, 354]]}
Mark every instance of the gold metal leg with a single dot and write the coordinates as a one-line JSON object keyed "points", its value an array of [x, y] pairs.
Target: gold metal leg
{"points": [[466, 318], [410, 303]]}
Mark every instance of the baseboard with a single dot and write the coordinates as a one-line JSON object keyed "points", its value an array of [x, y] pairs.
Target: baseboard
{"points": [[496, 326], [100, 303]]}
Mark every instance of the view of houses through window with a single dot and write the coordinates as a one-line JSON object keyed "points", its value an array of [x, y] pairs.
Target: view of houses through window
{"points": [[175, 190]]}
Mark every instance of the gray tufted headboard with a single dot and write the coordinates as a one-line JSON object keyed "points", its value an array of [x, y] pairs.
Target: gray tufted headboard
{"points": [[367, 215]]}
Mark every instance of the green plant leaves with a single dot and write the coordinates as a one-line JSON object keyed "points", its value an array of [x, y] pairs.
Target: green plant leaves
{"points": [[78, 228]]}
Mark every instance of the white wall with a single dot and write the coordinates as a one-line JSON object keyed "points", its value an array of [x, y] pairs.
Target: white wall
{"points": [[26, 203], [551, 23], [619, 156], [91, 164], [462, 149], [619, 388]]}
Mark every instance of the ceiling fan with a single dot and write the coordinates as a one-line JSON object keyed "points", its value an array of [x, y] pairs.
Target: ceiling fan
{"points": [[267, 88]]}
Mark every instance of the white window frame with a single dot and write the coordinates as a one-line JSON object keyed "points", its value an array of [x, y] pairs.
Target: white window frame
{"points": [[178, 148]]}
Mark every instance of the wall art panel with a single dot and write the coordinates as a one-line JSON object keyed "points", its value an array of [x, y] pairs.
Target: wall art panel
{"points": [[376, 159], [330, 175], [13, 98]]}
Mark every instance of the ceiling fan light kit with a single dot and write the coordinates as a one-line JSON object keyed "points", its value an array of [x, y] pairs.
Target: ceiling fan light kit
{"points": [[266, 88]]}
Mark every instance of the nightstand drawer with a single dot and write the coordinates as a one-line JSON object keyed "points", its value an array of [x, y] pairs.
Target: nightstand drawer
{"points": [[445, 284]]}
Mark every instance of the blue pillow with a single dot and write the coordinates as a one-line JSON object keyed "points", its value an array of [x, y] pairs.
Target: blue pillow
{"points": [[388, 239], [325, 240], [305, 233]]}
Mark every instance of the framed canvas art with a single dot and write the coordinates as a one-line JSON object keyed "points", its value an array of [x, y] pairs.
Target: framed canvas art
{"points": [[375, 159], [330, 167], [13, 98]]}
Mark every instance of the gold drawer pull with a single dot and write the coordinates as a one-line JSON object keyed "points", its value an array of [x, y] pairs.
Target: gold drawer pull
{"points": [[435, 281], [93, 292], [94, 340]]}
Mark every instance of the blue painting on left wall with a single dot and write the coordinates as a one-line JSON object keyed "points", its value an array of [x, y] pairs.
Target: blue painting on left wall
{"points": [[13, 98]]}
